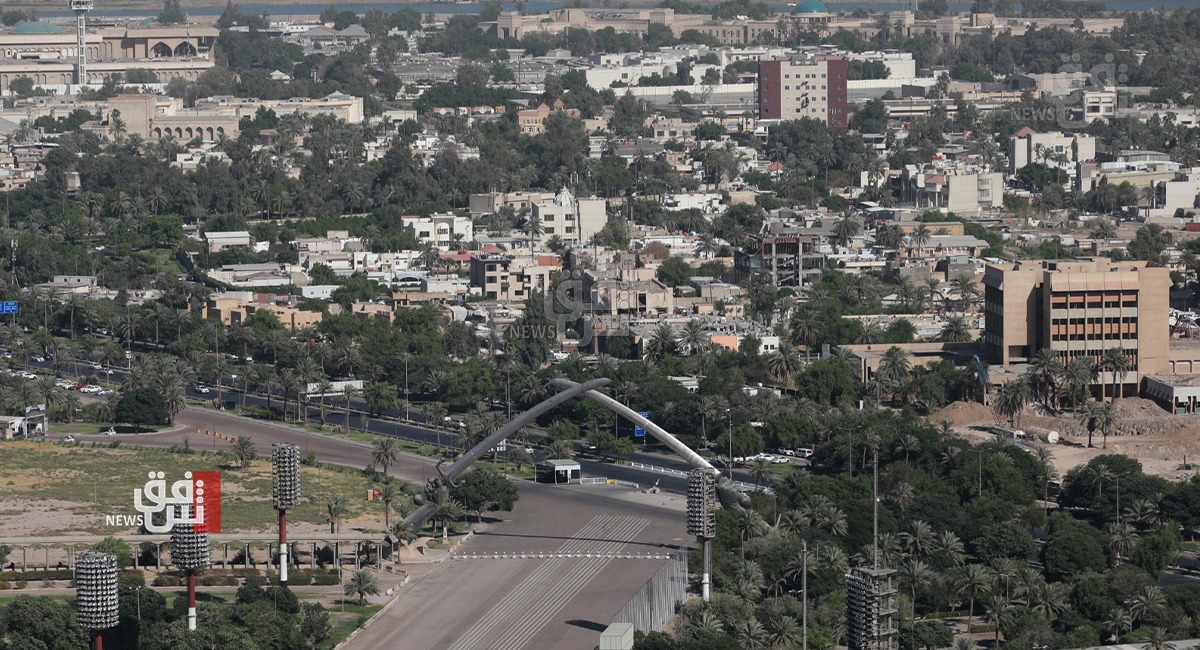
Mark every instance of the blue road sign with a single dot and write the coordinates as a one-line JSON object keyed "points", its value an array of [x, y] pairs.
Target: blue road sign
{"points": [[639, 432], [9, 307]]}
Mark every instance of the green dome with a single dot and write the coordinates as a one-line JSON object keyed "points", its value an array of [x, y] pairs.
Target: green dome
{"points": [[811, 7], [26, 27]]}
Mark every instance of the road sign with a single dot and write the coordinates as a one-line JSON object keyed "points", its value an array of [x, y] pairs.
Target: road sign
{"points": [[639, 432], [9, 306]]}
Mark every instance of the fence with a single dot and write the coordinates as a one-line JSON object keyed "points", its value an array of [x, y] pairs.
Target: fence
{"points": [[658, 599]]}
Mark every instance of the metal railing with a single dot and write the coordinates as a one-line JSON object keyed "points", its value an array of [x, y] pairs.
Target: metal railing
{"points": [[659, 599]]}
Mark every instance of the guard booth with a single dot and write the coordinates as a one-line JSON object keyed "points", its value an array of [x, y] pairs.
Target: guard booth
{"points": [[557, 470]]}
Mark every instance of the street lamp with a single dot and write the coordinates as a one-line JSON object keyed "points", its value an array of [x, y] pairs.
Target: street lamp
{"points": [[189, 552], [406, 356], [729, 434]]}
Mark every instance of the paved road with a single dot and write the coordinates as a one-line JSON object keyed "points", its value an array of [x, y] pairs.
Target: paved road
{"points": [[514, 604], [335, 415]]}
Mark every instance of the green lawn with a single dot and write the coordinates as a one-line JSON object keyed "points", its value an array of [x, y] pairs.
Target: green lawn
{"points": [[100, 480], [95, 427], [353, 617], [160, 260]]}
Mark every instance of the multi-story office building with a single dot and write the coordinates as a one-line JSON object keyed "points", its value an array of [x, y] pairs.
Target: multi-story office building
{"points": [[1078, 308], [804, 86]]}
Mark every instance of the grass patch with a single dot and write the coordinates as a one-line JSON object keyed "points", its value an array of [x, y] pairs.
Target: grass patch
{"points": [[160, 260], [101, 481], [345, 619]]}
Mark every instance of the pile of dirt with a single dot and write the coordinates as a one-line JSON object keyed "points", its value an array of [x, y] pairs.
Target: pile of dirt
{"points": [[963, 414], [1137, 408]]}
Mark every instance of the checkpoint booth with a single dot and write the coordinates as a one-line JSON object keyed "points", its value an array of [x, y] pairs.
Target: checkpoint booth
{"points": [[557, 470]]}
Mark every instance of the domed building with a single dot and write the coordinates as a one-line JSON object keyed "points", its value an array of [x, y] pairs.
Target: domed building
{"points": [[811, 12]]}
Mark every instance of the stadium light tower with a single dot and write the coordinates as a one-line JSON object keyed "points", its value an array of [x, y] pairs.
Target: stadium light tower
{"points": [[81, 8], [701, 502], [189, 552], [96, 594], [285, 492]]}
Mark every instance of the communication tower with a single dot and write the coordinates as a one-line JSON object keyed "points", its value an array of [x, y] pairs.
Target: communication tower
{"points": [[81, 9]]}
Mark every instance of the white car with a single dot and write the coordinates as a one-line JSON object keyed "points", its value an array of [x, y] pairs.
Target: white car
{"points": [[110, 432], [38, 358], [203, 390], [96, 366], [804, 453], [26, 375], [91, 389], [69, 439]]}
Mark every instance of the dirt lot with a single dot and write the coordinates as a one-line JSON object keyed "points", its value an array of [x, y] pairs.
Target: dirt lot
{"points": [[1160, 440]]}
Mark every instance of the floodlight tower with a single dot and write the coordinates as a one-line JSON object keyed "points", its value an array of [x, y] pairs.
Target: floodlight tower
{"points": [[701, 502], [96, 594], [285, 492], [81, 8], [189, 552]]}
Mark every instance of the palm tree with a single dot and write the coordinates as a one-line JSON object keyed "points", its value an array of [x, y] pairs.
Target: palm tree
{"points": [[362, 584], [919, 237], [384, 452], [1011, 398], [388, 493], [998, 612], [1098, 416], [694, 338], [762, 471], [955, 330], [971, 581], [1148, 601], [560, 449], [244, 451], [1115, 361], [336, 509], [1044, 371], [784, 362], [967, 289], [805, 328], [1077, 378], [914, 573], [846, 228], [909, 444], [349, 393], [1157, 640], [751, 634], [1118, 621], [750, 525], [1050, 598], [893, 368], [1123, 537], [662, 342]]}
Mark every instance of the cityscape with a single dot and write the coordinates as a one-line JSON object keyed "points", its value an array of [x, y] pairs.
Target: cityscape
{"points": [[655, 325]]}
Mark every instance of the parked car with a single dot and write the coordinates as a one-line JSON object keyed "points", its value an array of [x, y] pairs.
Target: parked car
{"points": [[69, 439], [804, 453]]}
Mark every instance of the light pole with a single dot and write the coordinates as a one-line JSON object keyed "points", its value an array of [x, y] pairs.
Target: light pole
{"points": [[96, 601], [285, 492], [729, 434], [189, 552], [406, 356]]}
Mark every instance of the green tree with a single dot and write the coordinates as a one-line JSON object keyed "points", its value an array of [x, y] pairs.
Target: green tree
{"points": [[143, 407], [116, 547], [362, 583], [1074, 546], [483, 490], [384, 451]]}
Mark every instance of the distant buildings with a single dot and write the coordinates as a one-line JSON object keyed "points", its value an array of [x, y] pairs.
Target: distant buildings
{"points": [[444, 231], [45, 53], [1078, 309]]}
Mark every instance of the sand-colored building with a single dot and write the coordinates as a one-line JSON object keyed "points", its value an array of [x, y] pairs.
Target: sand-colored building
{"points": [[1079, 308], [45, 52]]}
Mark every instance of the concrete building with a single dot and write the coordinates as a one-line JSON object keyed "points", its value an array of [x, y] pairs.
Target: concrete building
{"points": [[575, 221], [230, 311], [804, 86], [1028, 146], [512, 279], [45, 53], [441, 230], [1078, 308], [219, 241], [532, 120]]}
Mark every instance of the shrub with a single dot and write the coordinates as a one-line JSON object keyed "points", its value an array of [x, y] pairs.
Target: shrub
{"points": [[168, 581]]}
